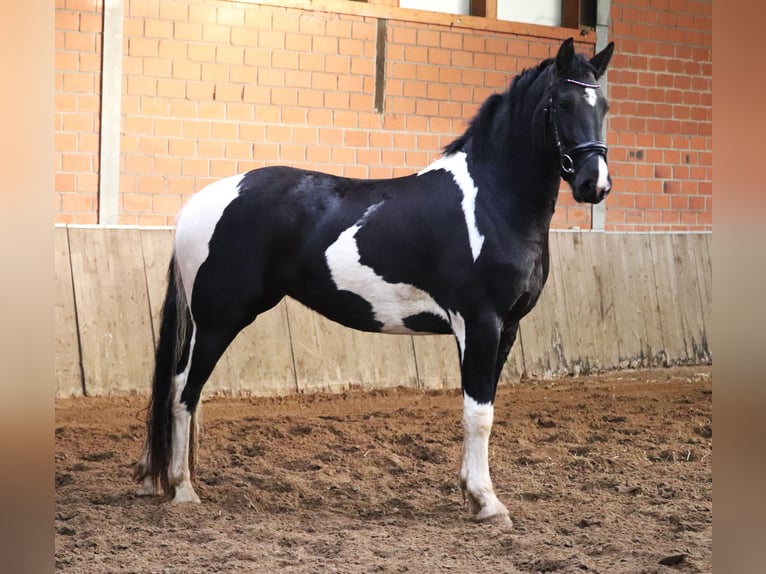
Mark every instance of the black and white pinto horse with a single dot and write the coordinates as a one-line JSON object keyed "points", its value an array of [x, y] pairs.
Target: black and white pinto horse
{"points": [[458, 248]]}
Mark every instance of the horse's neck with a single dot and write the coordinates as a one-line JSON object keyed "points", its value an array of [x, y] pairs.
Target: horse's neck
{"points": [[524, 181]]}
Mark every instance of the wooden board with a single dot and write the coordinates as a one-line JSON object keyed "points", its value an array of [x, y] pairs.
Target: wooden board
{"points": [[667, 275], [67, 358], [437, 361], [331, 357], [541, 330], [514, 365], [703, 244], [631, 273], [689, 301], [591, 336], [112, 309], [157, 249]]}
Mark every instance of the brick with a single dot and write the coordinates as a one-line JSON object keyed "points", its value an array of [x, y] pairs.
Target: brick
{"points": [[186, 70], [136, 202], [201, 52], [244, 37], [271, 39], [200, 91], [265, 151], [211, 110], [293, 115], [297, 42], [196, 167], [239, 112], [212, 72], [335, 100], [338, 28], [238, 150], [230, 54], [233, 15], [278, 133], [305, 135], [228, 92], [311, 62], [157, 68], [286, 22], [77, 202]]}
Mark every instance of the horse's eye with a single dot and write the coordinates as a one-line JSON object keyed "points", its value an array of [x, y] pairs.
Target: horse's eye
{"points": [[565, 105]]}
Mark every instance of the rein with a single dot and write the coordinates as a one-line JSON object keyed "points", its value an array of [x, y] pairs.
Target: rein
{"points": [[586, 149]]}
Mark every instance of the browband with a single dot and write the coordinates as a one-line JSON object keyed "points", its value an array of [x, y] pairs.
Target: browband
{"points": [[583, 84]]}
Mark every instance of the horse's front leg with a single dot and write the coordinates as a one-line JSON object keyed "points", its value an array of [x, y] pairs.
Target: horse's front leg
{"points": [[479, 353]]}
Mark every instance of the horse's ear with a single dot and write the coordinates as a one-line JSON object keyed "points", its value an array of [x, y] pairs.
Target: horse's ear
{"points": [[565, 56], [601, 60]]}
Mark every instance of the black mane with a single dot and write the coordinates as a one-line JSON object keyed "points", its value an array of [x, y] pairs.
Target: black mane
{"points": [[515, 103], [511, 98]]}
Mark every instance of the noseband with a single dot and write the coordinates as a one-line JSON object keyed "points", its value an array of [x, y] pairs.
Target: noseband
{"points": [[584, 150]]}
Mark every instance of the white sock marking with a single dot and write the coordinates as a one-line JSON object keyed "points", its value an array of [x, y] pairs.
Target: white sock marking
{"points": [[391, 302], [179, 474], [477, 425], [591, 97], [195, 225], [457, 165]]}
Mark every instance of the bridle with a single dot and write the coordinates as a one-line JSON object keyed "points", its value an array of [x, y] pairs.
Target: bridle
{"points": [[586, 149]]}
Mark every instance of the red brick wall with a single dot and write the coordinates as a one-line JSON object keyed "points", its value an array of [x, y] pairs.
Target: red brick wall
{"points": [[660, 89], [78, 103], [213, 88]]}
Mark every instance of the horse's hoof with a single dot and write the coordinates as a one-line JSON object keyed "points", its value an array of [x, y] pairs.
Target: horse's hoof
{"points": [[144, 491], [496, 515], [147, 487], [185, 493], [499, 520]]}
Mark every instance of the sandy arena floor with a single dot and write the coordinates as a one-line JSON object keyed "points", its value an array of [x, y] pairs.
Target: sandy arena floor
{"points": [[608, 474]]}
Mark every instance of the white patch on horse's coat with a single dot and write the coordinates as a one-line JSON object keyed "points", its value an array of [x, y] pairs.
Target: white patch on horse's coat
{"points": [[457, 323], [474, 474], [602, 184], [391, 302], [457, 165], [591, 97], [195, 225]]}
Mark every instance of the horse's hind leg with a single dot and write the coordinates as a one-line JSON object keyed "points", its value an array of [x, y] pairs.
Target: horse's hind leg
{"points": [[141, 472], [205, 350]]}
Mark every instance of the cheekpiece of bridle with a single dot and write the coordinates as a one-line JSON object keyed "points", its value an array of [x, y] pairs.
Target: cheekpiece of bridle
{"points": [[584, 150]]}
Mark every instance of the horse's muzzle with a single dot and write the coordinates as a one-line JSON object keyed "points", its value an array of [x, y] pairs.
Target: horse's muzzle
{"points": [[592, 182]]}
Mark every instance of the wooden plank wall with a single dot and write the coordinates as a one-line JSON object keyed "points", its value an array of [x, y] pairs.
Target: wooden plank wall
{"points": [[612, 301]]}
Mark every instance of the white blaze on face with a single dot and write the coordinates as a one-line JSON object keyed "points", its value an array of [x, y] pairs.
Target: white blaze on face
{"points": [[603, 185], [591, 97], [195, 225], [391, 302], [457, 165]]}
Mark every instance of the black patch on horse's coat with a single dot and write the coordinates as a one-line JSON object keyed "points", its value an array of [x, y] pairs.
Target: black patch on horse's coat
{"points": [[417, 234], [427, 323]]}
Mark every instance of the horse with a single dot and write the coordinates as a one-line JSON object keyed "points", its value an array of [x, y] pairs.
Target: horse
{"points": [[459, 248]]}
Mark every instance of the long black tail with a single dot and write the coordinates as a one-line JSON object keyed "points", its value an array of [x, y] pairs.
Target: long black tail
{"points": [[170, 358]]}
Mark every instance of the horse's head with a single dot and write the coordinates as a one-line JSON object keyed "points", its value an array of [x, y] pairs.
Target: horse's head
{"points": [[575, 116]]}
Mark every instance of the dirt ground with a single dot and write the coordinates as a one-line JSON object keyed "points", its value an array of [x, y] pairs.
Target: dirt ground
{"points": [[609, 474]]}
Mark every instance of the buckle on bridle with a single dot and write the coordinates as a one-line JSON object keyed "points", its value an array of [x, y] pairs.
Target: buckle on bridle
{"points": [[567, 164]]}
